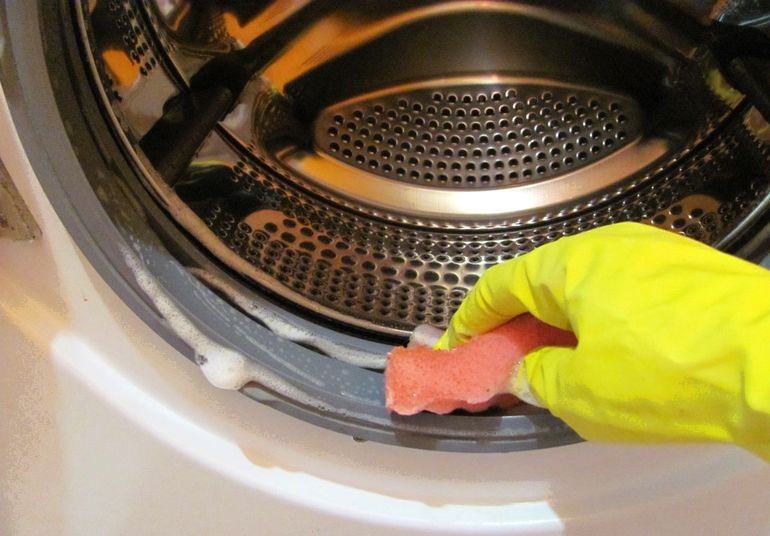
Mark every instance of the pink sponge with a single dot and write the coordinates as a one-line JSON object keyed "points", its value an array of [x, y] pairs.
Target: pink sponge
{"points": [[473, 376]]}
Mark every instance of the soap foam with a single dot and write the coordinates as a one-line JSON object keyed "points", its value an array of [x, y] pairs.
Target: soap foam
{"points": [[425, 335], [223, 367], [283, 328]]}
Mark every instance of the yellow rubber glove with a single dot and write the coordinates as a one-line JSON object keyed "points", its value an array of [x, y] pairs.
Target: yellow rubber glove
{"points": [[673, 336]]}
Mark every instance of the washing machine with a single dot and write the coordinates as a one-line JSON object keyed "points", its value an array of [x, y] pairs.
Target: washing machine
{"points": [[217, 217]]}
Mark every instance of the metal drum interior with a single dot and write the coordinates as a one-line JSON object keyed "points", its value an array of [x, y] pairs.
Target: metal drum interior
{"points": [[342, 172]]}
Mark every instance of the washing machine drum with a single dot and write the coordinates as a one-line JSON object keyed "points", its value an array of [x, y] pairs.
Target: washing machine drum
{"points": [[285, 189]]}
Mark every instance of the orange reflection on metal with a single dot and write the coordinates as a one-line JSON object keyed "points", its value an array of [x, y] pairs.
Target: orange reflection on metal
{"points": [[121, 68], [339, 33], [275, 13]]}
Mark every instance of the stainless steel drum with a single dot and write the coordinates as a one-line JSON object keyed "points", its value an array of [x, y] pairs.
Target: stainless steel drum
{"points": [[336, 173]]}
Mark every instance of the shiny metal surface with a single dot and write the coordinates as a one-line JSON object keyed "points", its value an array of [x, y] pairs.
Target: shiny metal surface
{"points": [[368, 160], [483, 132]]}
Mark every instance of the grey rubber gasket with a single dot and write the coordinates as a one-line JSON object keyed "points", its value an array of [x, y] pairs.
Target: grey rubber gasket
{"points": [[61, 129]]}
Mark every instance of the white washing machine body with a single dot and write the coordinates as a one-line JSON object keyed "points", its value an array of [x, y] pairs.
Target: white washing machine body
{"points": [[109, 430]]}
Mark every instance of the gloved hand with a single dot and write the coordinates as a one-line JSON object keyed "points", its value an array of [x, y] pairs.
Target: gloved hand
{"points": [[673, 336]]}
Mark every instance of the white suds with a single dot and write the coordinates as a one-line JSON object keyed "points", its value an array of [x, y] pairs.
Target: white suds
{"points": [[284, 329], [223, 367], [425, 335]]}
